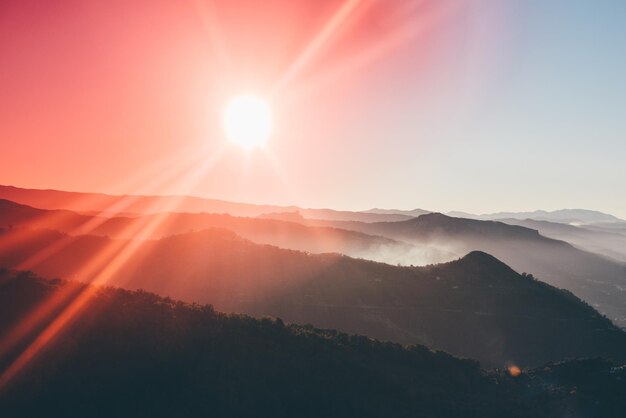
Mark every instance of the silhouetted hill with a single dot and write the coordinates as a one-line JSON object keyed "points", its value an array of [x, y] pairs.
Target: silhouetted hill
{"points": [[562, 216], [432, 238], [111, 204], [284, 216], [263, 231], [608, 242], [412, 212], [15, 214], [434, 225], [475, 307], [135, 354], [598, 280]]}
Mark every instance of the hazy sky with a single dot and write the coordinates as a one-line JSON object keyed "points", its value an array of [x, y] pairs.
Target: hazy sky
{"points": [[477, 105]]}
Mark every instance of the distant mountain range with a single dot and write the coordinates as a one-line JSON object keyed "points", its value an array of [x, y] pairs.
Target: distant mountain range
{"points": [[599, 280], [129, 205], [562, 216], [579, 216], [412, 213], [598, 238], [292, 235], [134, 353], [426, 239], [107, 205], [474, 307]]}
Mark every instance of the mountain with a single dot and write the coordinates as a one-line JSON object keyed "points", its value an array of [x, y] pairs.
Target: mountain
{"points": [[188, 360], [608, 242], [461, 214], [260, 230], [295, 216], [107, 205], [598, 280], [14, 214], [412, 213], [474, 307], [562, 216], [426, 239], [619, 227]]}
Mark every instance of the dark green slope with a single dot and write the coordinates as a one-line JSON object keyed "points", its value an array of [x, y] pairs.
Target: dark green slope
{"points": [[598, 280], [474, 307], [135, 354]]}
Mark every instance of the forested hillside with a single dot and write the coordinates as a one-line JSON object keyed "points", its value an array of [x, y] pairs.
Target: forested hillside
{"points": [[134, 353]]}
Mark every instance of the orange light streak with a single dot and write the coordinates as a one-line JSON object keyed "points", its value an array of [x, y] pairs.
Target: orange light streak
{"points": [[329, 30], [102, 268]]}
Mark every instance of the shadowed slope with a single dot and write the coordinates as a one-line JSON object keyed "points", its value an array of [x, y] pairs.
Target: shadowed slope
{"points": [[264, 231], [475, 307], [135, 354], [598, 280], [99, 202]]}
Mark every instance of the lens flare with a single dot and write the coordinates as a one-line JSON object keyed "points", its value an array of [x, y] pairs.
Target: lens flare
{"points": [[514, 371]]}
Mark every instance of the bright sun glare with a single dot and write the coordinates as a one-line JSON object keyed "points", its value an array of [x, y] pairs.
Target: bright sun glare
{"points": [[248, 121]]}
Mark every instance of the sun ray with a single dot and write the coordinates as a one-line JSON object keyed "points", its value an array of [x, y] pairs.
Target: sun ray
{"points": [[409, 26], [101, 269], [182, 164], [208, 16], [330, 29]]}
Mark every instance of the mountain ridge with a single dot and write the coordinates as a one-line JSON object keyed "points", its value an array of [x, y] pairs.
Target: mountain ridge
{"points": [[598, 279], [506, 316], [151, 204], [189, 360], [559, 215]]}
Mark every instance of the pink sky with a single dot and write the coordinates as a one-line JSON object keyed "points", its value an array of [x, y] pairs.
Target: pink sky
{"points": [[126, 97]]}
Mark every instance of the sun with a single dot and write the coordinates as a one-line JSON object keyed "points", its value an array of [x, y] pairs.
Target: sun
{"points": [[248, 121]]}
